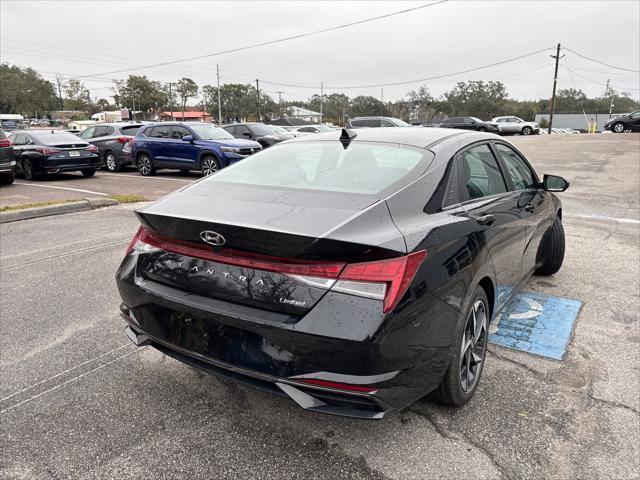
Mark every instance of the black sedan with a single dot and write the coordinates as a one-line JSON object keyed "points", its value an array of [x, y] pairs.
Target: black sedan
{"points": [[113, 142], [624, 123], [469, 123], [258, 132], [53, 151], [353, 272], [7, 160]]}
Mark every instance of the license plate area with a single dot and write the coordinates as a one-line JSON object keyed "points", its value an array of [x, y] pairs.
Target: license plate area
{"points": [[74, 153]]}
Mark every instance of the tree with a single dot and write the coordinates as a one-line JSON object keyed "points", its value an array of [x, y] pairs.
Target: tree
{"points": [[334, 107], [186, 88], [476, 98], [367, 106], [25, 91], [139, 93], [77, 95]]}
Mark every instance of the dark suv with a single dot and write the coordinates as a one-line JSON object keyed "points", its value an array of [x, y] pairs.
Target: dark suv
{"points": [[114, 143], [259, 132], [187, 146], [469, 123], [7, 160]]}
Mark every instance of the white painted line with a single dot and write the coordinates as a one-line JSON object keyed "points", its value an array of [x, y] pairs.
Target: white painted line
{"points": [[60, 188], [612, 219], [8, 409], [145, 178], [66, 371]]}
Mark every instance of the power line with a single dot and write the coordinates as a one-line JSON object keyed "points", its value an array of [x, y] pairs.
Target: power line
{"points": [[270, 42], [595, 81], [601, 62]]}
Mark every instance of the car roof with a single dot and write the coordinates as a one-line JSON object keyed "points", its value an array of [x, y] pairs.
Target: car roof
{"points": [[415, 137]]}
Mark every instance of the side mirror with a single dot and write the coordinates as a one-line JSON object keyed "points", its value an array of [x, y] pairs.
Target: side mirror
{"points": [[553, 183], [188, 138]]}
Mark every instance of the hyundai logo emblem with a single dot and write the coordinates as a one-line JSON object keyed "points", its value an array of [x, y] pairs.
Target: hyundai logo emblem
{"points": [[212, 238]]}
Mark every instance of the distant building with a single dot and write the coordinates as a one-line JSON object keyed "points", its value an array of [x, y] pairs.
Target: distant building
{"points": [[304, 114], [578, 121], [80, 125], [107, 117], [290, 122], [188, 116]]}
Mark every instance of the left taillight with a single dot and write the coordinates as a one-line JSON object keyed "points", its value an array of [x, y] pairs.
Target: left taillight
{"points": [[386, 280], [5, 142]]}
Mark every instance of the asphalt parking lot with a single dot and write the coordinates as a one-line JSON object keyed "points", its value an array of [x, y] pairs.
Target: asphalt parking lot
{"points": [[77, 400]]}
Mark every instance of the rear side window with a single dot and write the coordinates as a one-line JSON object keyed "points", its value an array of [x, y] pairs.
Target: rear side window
{"points": [[480, 174], [521, 175], [158, 132], [178, 132], [366, 168], [130, 130]]}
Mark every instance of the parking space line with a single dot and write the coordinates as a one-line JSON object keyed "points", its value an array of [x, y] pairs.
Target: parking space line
{"points": [[146, 178], [62, 373], [12, 407], [60, 188], [604, 217]]}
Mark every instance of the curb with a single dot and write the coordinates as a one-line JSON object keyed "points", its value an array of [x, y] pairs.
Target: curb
{"points": [[71, 207]]}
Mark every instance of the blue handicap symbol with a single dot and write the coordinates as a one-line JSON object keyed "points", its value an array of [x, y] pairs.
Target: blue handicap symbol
{"points": [[536, 323]]}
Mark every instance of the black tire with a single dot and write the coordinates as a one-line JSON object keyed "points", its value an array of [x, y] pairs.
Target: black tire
{"points": [[88, 172], [145, 165], [617, 127], [209, 165], [27, 169], [551, 250], [111, 162], [7, 179], [526, 131], [469, 351]]}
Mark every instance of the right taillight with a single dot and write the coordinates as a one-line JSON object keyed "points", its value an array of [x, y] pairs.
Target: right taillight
{"points": [[386, 280]]}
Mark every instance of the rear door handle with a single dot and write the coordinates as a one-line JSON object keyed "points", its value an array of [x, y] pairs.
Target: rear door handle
{"points": [[485, 219]]}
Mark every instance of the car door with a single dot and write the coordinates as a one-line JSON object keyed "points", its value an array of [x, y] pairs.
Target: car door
{"points": [[635, 121], [184, 154], [488, 201], [101, 137], [159, 144], [534, 201], [242, 131]]}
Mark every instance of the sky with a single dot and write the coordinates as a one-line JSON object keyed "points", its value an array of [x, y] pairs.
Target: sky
{"points": [[76, 39]]}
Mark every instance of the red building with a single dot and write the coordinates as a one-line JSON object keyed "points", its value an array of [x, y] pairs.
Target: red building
{"points": [[188, 116]]}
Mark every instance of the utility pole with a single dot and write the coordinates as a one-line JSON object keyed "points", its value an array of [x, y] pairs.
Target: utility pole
{"points": [[610, 99], [258, 96], [555, 81], [321, 101], [219, 104], [382, 95], [170, 102], [60, 93], [280, 103]]}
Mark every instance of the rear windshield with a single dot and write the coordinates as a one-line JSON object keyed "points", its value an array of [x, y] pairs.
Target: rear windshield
{"points": [[366, 168], [56, 138], [131, 130]]}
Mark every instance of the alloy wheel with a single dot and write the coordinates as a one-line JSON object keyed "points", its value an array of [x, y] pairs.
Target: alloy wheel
{"points": [[27, 169], [144, 164], [473, 346], [209, 166], [112, 165], [618, 128], [526, 131]]}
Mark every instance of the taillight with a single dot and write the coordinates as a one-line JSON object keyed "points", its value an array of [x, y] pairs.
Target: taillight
{"points": [[5, 142], [124, 140], [384, 279], [92, 148], [126, 148], [47, 151]]}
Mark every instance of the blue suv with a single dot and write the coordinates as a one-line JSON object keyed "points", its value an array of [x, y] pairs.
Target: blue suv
{"points": [[187, 146]]}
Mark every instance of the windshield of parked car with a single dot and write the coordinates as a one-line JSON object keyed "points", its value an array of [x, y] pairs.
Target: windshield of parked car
{"points": [[323, 128], [476, 119], [400, 123], [366, 168], [277, 129], [261, 130], [207, 131]]}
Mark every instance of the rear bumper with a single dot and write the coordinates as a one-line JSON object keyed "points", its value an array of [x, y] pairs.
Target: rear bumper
{"points": [[401, 361], [68, 165], [7, 167]]}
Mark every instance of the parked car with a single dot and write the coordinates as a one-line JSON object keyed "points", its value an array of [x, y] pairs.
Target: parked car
{"points": [[513, 125], [372, 122], [114, 143], [187, 146], [7, 160], [469, 123], [353, 271], [259, 132], [283, 131], [53, 151], [314, 129], [624, 123]]}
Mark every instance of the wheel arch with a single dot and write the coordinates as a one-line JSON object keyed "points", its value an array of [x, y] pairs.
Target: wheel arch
{"points": [[143, 152], [490, 290], [208, 153]]}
